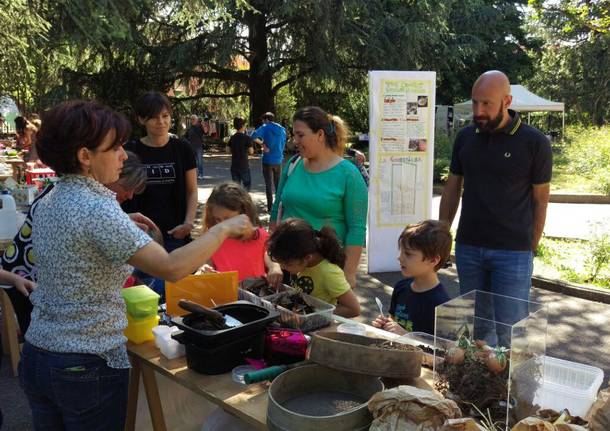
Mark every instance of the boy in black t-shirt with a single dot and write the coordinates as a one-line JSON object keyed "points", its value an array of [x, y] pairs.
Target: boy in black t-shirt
{"points": [[424, 248], [240, 146]]}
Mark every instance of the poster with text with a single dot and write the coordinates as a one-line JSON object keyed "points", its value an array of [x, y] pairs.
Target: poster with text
{"points": [[401, 152]]}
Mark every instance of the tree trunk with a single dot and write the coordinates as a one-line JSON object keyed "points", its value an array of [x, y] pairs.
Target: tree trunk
{"points": [[260, 78]]}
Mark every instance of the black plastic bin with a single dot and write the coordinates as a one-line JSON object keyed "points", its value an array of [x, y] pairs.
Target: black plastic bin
{"points": [[221, 359]]}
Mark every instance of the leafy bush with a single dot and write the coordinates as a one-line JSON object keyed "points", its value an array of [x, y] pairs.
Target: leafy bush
{"points": [[586, 153], [443, 145]]}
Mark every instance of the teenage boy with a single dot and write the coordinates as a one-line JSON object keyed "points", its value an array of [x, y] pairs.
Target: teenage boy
{"points": [[424, 248], [240, 146]]}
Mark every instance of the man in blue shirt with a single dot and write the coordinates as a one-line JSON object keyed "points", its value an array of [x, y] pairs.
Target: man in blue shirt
{"points": [[273, 138]]}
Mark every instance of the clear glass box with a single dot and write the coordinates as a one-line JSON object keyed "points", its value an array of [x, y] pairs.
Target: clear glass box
{"points": [[489, 353]]}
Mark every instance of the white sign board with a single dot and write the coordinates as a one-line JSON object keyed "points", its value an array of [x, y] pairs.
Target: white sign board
{"points": [[401, 154]]}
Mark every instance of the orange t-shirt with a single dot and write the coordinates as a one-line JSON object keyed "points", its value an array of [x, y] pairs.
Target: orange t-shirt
{"points": [[245, 257]]}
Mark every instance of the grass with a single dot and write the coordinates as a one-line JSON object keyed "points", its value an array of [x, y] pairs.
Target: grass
{"points": [[582, 161], [571, 260]]}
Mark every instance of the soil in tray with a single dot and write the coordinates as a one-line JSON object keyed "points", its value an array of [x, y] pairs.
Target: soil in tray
{"points": [[323, 403], [389, 345], [204, 324], [295, 303], [257, 286]]}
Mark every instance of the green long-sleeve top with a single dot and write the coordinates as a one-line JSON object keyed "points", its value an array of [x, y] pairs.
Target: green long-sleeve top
{"points": [[337, 197]]}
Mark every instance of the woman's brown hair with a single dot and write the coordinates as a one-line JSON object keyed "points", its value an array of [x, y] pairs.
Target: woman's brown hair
{"points": [[72, 125], [335, 129]]}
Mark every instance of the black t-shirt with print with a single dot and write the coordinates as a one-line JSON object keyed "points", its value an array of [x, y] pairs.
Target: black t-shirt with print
{"points": [[164, 199], [239, 144], [414, 311]]}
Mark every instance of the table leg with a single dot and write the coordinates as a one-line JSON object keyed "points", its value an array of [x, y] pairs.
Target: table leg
{"points": [[132, 397], [154, 401], [10, 340]]}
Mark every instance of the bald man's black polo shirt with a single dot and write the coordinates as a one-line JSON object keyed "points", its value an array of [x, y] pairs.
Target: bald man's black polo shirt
{"points": [[499, 171]]}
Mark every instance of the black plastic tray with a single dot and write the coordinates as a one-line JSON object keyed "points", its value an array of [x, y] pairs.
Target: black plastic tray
{"points": [[254, 318]]}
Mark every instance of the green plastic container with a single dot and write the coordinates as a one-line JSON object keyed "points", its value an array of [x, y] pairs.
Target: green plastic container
{"points": [[141, 301]]}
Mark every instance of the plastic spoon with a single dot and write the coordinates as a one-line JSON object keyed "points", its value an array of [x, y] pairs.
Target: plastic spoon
{"points": [[380, 305]]}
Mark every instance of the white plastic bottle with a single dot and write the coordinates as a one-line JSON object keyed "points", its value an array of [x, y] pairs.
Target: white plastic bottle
{"points": [[9, 221]]}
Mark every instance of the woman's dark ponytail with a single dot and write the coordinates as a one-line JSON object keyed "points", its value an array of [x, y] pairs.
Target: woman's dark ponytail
{"points": [[329, 246]]}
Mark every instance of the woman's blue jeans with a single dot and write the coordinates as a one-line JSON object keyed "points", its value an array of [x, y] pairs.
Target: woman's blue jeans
{"points": [[501, 272], [73, 391]]}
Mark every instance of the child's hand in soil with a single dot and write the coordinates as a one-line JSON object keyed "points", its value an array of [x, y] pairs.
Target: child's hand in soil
{"points": [[275, 276]]}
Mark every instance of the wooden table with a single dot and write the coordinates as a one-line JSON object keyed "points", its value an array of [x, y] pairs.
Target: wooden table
{"points": [[249, 403]]}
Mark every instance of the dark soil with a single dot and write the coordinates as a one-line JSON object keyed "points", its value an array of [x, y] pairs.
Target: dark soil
{"points": [[294, 302], [202, 323], [472, 383], [389, 345], [257, 286]]}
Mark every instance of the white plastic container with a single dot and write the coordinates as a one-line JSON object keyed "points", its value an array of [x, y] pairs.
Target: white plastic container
{"points": [[9, 219], [569, 385]]}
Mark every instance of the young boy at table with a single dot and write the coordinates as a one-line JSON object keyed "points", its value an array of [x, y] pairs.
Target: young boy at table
{"points": [[424, 248]]}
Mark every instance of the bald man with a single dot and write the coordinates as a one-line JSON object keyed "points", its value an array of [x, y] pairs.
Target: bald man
{"points": [[505, 169]]}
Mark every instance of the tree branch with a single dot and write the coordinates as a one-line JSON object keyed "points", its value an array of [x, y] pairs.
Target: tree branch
{"points": [[211, 95], [293, 78]]}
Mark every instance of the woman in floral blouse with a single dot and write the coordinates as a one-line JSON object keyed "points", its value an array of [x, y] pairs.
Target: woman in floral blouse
{"points": [[74, 366]]}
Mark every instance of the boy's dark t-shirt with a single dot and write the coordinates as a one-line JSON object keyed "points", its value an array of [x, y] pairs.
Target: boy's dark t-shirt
{"points": [[239, 144], [415, 311], [164, 199]]}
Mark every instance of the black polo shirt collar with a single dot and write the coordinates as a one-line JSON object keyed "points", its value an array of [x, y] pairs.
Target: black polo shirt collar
{"points": [[511, 127]]}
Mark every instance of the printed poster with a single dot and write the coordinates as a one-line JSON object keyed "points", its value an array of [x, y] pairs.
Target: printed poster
{"points": [[401, 152]]}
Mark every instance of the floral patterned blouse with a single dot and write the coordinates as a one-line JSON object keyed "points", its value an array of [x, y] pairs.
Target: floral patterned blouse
{"points": [[82, 241]]}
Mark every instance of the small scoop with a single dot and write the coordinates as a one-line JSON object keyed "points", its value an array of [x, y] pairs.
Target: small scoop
{"points": [[213, 315]]}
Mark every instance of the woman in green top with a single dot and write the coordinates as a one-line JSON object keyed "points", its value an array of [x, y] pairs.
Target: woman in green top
{"points": [[323, 188]]}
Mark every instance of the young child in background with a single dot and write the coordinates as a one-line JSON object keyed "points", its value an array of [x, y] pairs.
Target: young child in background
{"points": [[316, 258], [249, 258], [424, 248]]}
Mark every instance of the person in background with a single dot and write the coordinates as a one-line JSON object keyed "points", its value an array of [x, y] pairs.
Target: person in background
{"points": [[272, 136], [74, 366], [194, 136], [241, 147], [170, 197], [316, 259], [18, 257], [505, 168], [424, 248], [248, 256], [323, 188]]}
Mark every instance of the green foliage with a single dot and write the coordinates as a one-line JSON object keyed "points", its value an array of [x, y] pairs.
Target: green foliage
{"points": [[576, 261], [573, 61], [442, 156], [598, 247], [586, 153]]}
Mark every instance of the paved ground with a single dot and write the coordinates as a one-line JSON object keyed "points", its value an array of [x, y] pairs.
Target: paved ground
{"points": [[578, 330]]}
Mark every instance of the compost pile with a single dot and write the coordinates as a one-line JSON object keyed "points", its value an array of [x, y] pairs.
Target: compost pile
{"points": [[257, 286], [294, 302]]}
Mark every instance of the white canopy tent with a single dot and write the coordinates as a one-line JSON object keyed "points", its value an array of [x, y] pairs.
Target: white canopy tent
{"points": [[523, 101]]}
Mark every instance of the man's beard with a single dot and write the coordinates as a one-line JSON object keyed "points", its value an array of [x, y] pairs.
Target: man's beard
{"points": [[486, 124]]}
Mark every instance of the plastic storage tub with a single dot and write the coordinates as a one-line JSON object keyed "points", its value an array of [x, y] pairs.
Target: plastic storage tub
{"points": [[246, 295], [140, 330], [569, 385], [322, 317], [141, 301]]}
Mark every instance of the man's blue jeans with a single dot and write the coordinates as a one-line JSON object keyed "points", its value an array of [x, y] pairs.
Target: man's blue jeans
{"points": [[199, 155], [73, 391], [501, 272]]}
